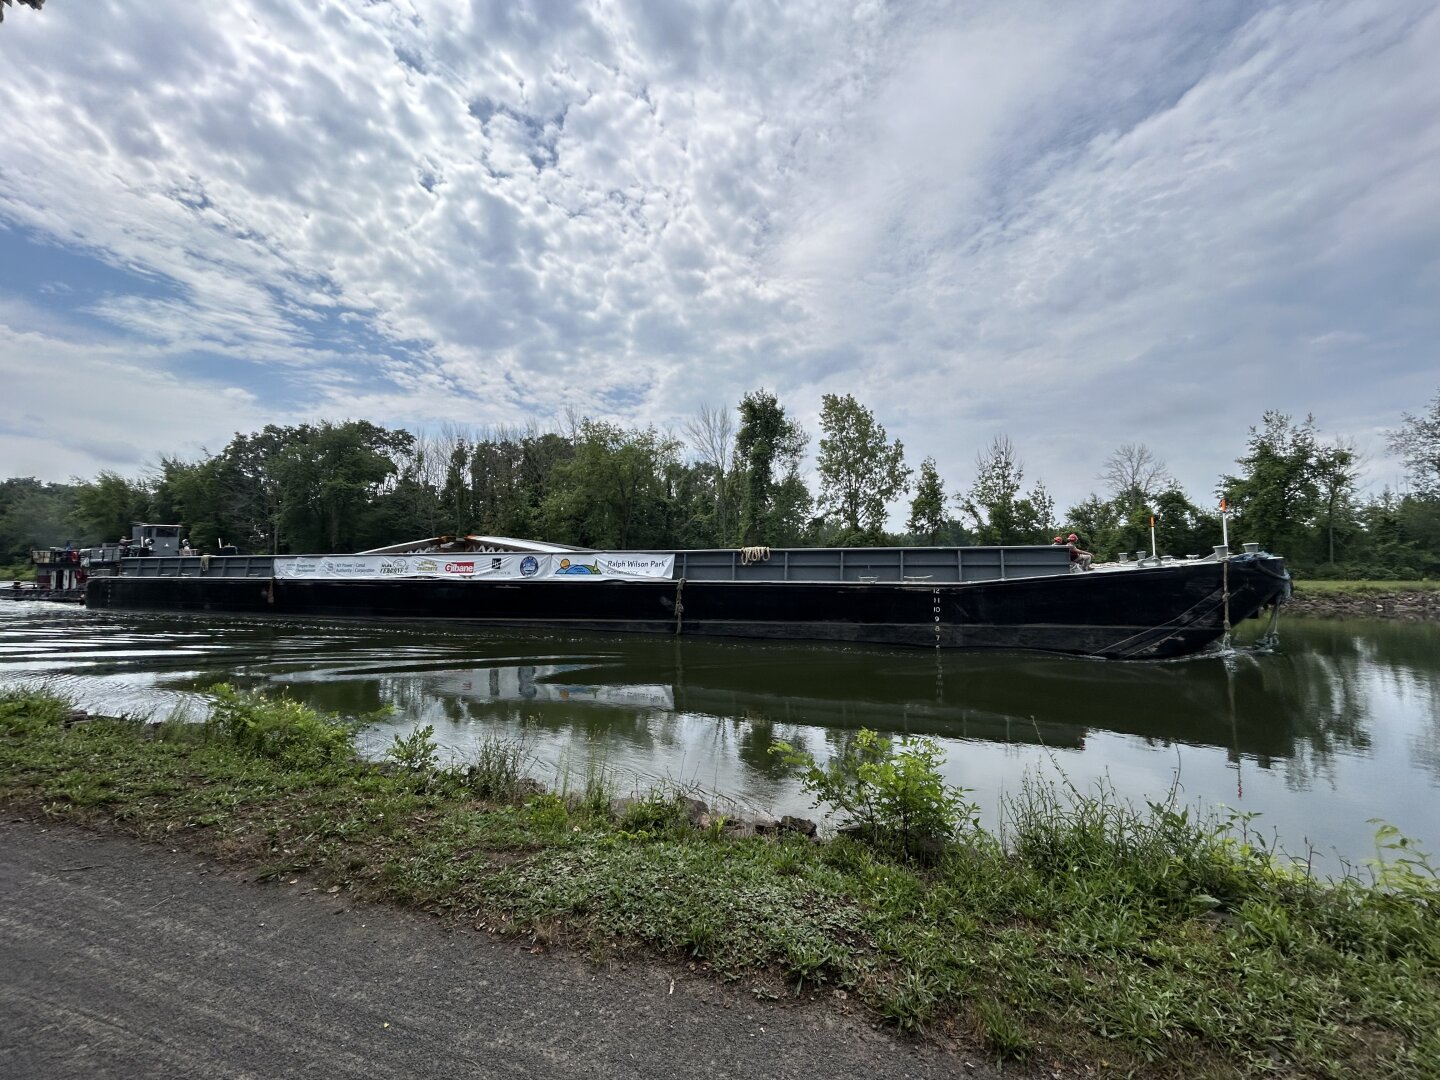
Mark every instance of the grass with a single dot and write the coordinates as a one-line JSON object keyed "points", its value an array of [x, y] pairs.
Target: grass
{"points": [[1362, 588], [1145, 941]]}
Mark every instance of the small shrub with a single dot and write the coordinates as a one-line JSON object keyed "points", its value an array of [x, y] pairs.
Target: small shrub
{"points": [[890, 790], [283, 730], [1402, 868], [416, 752], [658, 812], [548, 813]]}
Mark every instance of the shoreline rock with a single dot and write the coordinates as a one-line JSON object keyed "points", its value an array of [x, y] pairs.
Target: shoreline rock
{"points": [[1402, 605]]}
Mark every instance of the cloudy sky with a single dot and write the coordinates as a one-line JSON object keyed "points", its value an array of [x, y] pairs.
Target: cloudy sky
{"points": [[1079, 225]]}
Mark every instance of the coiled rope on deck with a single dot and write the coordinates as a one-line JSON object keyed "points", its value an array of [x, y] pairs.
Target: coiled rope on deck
{"points": [[750, 555]]}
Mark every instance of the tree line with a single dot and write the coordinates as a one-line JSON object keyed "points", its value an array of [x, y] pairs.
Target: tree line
{"points": [[734, 477]]}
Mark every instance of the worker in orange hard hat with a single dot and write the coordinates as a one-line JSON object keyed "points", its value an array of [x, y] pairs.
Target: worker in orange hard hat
{"points": [[1077, 553]]}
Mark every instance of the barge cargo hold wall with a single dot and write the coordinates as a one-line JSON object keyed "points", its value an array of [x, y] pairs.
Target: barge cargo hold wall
{"points": [[1140, 613], [913, 565]]}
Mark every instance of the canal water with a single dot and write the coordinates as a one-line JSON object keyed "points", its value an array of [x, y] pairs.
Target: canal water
{"points": [[1338, 725]]}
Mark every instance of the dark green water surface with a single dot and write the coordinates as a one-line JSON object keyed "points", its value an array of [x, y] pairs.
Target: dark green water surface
{"points": [[1338, 725]]}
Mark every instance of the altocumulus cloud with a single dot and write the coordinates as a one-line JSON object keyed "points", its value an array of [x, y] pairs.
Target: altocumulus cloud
{"points": [[1080, 225]]}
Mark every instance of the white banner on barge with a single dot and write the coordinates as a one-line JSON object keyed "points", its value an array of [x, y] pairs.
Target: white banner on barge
{"points": [[587, 566]]}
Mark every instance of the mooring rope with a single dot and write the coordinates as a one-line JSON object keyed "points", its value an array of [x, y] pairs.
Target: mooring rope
{"points": [[1225, 599], [1229, 663], [750, 555], [679, 606]]}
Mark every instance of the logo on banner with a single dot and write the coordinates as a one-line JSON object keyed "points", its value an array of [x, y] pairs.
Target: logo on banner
{"points": [[528, 565], [393, 567], [460, 567], [426, 566], [496, 563], [567, 567]]}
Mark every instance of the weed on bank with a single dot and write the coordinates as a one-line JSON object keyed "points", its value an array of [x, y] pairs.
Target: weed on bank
{"points": [[1091, 933]]}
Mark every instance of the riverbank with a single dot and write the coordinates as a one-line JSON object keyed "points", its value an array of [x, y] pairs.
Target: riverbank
{"points": [[1413, 601], [1091, 935]]}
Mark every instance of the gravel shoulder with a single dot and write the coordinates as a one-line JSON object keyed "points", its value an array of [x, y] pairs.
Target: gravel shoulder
{"points": [[123, 959]]}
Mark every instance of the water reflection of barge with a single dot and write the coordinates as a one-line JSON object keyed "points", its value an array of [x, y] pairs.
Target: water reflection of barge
{"points": [[1019, 597], [629, 691]]}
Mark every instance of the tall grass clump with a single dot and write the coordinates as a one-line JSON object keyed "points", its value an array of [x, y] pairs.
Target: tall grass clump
{"points": [[662, 812], [591, 794], [498, 772], [1167, 853], [278, 728], [25, 711]]}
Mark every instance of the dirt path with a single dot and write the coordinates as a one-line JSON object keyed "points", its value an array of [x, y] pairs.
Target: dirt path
{"points": [[120, 959]]}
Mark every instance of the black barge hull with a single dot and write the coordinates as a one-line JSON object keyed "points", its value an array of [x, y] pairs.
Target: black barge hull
{"points": [[1142, 613]]}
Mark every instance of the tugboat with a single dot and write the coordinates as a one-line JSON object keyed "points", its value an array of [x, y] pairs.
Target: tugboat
{"points": [[63, 574], [60, 575]]}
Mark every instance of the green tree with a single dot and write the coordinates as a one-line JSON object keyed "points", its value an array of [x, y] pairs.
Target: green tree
{"points": [[612, 493], [711, 432], [1337, 470], [790, 522], [768, 442], [1417, 442], [191, 494], [35, 515], [1394, 537], [244, 497], [1419, 520], [510, 479], [457, 514], [927, 510], [1181, 527], [330, 477], [859, 471], [107, 506], [1277, 496], [689, 504], [1001, 515], [409, 506]]}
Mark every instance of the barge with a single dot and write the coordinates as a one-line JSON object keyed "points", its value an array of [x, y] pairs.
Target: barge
{"points": [[1027, 597]]}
